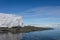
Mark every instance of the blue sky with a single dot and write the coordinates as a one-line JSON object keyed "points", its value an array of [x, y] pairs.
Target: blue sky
{"points": [[33, 11]]}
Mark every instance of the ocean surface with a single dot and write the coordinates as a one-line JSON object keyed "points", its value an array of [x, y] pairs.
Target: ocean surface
{"points": [[37, 35]]}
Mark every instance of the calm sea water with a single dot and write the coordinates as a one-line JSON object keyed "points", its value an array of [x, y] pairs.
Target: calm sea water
{"points": [[37, 35], [10, 36]]}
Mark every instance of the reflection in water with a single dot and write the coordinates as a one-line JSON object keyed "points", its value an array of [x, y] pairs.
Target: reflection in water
{"points": [[10, 36], [42, 35], [37, 35]]}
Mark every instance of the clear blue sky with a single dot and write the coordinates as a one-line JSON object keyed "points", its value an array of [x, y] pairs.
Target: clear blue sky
{"points": [[33, 11]]}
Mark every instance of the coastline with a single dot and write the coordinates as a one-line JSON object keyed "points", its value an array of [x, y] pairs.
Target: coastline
{"points": [[23, 29]]}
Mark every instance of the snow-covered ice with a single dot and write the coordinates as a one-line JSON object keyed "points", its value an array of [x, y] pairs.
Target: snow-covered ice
{"points": [[9, 20]]}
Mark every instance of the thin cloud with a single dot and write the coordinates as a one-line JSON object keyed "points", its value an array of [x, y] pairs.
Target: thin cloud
{"points": [[43, 11]]}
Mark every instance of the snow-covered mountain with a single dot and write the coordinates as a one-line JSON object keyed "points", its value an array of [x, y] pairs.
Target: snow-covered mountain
{"points": [[47, 25], [9, 20]]}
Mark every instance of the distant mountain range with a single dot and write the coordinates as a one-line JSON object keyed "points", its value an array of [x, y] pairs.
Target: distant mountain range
{"points": [[47, 25]]}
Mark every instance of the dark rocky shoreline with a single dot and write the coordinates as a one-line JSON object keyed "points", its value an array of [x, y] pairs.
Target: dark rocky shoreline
{"points": [[23, 29]]}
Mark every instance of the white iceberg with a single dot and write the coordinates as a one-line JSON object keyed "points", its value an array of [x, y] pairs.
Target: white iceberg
{"points": [[9, 20]]}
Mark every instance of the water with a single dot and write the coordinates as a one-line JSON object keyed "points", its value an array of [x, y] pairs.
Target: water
{"points": [[42, 35], [10, 36], [37, 35]]}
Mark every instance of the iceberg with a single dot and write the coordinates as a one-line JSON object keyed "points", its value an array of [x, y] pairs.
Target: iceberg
{"points": [[9, 20]]}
